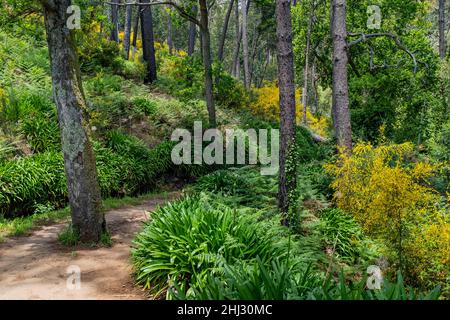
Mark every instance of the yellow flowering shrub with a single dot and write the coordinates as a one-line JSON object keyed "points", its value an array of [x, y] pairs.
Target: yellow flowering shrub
{"points": [[428, 253], [391, 199], [267, 104]]}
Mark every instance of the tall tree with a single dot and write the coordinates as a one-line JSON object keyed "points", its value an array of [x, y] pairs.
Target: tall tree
{"points": [[207, 64], [192, 32], [148, 43], [135, 33], [306, 68], [236, 61], [245, 45], [223, 35], [442, 45], [79, 160], [169, 31], [235, 66], [127, 31], [340, 105], [287, 175], [114, 36]]}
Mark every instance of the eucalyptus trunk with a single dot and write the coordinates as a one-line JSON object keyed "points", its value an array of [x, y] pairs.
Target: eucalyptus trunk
{"points": [[127, 31], [245, 45], [114, 21], [287, 175], [169, 33], [223, 35], [135, 33], [192, 33], [306, 69], [207, 64], [148, 43], [442, 45], [340, 107], [88, 220]]}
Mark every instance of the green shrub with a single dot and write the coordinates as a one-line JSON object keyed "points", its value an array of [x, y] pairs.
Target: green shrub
{"points": [[277, 281], [188, 239], [126, 167], [144, 106], [32, 180], [254, 281], [223, 181], [228, 91], [341, 233], [68, 236], [42, 133], [342, 289], [98, 54]]}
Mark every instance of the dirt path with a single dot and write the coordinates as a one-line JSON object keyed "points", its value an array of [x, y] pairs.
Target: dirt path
{"points": [[35, 267]]}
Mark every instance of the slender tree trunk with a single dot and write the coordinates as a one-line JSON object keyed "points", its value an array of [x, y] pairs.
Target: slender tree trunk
{"points": [[169, 33], [263, 74], [206, 49], [245, 45], [442, 45], [287, 175], [237, 48], [314, 87], [135, 33], [306, 69], [237, 43], [192, 33], [79, 159], [340, 108], [127, 32], [148, 43], [256, 36], [114, 22], [224, 31]]}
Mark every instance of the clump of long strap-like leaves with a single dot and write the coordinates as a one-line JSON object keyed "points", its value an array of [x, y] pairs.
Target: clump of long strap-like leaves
{"points": [[188, 240]]}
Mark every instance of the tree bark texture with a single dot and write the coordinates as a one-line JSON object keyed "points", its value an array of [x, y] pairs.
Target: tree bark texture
{"points": [[148, 43], [340, 107], [287, 176], [206, 50], [79, 159]]}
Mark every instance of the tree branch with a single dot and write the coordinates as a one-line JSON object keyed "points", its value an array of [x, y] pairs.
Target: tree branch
{"points": [[183, 13], [364, 38]]}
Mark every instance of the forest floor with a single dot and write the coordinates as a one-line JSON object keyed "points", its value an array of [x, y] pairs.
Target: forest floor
{"points": [[36, 266]]}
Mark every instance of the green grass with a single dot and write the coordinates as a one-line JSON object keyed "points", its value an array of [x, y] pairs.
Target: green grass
{"points": [[68, 237], [21, 225]]}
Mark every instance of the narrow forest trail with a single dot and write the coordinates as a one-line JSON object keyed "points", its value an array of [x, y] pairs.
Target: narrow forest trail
{"points": [[35, 266]]}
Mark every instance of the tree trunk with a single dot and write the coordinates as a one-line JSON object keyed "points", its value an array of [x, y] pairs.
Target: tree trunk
{"points": [[340, 108], [442, 45], [192, 33], [79, 160], [306, 69], [224, 31], [263, 73], [237, 43], [256, 36], [287, 175], [169, 33], [314, 88], [245, 45], [236, 61], [206, 49], [114, 21], [135, 33], [127, 32], [148, 44]]}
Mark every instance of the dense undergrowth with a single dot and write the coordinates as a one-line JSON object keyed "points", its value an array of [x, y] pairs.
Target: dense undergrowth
{"points": [[224, 240]]}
